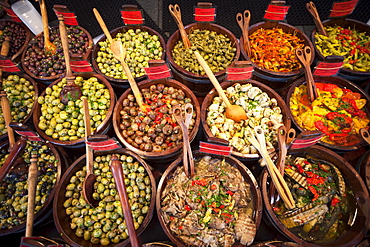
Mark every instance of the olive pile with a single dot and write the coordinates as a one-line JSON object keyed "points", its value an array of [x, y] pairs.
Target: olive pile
{"points": [[105, 224], [156, 130], [66, 122], [140, 46], [42, 63], [216, 49], [15, 33], [13, 189], [21, 95]]}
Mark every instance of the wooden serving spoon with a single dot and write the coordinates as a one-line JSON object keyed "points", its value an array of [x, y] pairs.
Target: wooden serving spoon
{"points": [[311, 7], [243, 21], [12, 161], [32, 182], [70, 91], [88, 184], [102, 25], [176, 14], [5, 107], [119, 53], [304, 56], [234, 112], [48, 45], [365, 135], [119, 178]]}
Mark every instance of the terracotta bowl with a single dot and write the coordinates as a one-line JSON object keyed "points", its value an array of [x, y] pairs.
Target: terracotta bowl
{"points": [[16, 52], [45, 213], [102, 128], [49, 79], [270, 92], [358, 228], [28, 118], [123, 83], [62, 220], [248, 178], [279, 79], [343, 83], [167, 155], [351, 75]]}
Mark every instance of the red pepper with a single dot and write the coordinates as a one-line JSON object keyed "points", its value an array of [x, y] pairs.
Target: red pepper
{"points": [[300, 169], [158, 117], [172, 218], [213, 187], [227, 217], [222, 206], [326, 87], [305, 101], [332, 115], [229, 192], [216, 210], [187, 208], [322, 127], [334, 202], [314, 192], [201, 182], [180, 227], [212, 205]]}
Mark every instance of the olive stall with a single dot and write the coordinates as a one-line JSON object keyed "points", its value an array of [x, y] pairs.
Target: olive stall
{"points": [[232, 197]]}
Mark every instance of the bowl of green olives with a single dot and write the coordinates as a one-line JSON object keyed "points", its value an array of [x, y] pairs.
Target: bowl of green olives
{"points": [[63, 124], [142, 44], [217, 45], [22, 93], [13, 189], [45, 66], [79, 224], [155, 135], [17, 34]]}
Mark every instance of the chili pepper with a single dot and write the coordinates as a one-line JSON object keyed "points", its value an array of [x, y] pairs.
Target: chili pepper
{"points": [[276, 209], [229, 192], [187, 208], [212, 205], [300, 169], [334, 202], [322, 127], [180, 227], [315, 179], [216, 210], [172, 218], [213, 187], [158, 117], [201, 182], [314, 192], [222, 206], [227, 217]]}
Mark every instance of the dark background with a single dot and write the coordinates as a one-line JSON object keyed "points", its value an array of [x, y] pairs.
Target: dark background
{"points": [[226, 12]]}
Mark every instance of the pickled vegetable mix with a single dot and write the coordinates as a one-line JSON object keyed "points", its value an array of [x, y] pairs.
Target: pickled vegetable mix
{"points": [[322, 197], [274, 49], [353, 45], [337, 112]]}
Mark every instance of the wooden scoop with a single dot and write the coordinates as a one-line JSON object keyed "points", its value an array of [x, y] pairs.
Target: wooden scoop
{"points": [[365, 135], [5, 47], [119, 53], [70, 91], [234, 112], [243, 21], [176, 14], [304, 56], [119, 178], [32, 182], [102, 25], [88, 185], [311, 7], [48, 45], [5, 107]]}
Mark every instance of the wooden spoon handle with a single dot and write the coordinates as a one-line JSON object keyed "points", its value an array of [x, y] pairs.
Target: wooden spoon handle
{"points": [[32, 182], [7, 117], [311, 7], [301, 57], [213, 79], [64, 39], [176, 14], [102, 25], [15, 151], [5, 47], [45, 22], [89, 151], [116, 168]]}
